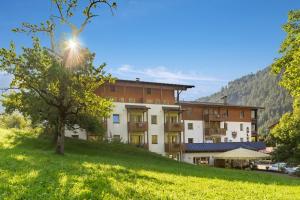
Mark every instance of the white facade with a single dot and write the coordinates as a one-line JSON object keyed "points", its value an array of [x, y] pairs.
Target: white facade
{"points": [[196, 133], [193, 130], [240, 128], [114, 129], [76, 133]]}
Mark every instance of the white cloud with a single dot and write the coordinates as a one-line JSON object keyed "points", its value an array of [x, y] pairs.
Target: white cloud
{"points": [[162, 73], [204, 85]]}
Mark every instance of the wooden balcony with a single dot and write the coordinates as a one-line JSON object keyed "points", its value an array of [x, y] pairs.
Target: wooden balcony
{"points": [[254, 133], [254, 120], [214, 117], [174, 127], [137, 126], [174, 147], [214, 131]]}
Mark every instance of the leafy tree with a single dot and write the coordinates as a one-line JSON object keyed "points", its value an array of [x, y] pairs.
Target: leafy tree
{"points": [[14, 120], [57, 85], [287, 132]]}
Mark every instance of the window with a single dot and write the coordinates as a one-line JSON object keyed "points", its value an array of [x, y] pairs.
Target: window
{"points": [[225, 139], [153, 119], [154, 139], [253, 127], [112, 88], [225, 126], [116, 118], [149, 91], [190, 140], [75, 136], [201, 160], [226, 113], [206, 112], [242, 114], [190, 126], [242, 139], [116, 138], [247, 130], [189, 111], [241, 127], [253, 114]]}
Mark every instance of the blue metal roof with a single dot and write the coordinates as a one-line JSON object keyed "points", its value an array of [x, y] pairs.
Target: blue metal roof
{"points": [[223, 146]]}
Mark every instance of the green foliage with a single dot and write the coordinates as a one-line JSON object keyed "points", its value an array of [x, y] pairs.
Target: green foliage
{"points": [[288, 65], [30, 170], [287, 136], [58, 84], [91, 124], [260, 89], [15, 120], [287, 132]]}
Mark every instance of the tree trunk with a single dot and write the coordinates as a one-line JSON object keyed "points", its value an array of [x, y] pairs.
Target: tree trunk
{"points": [[55, 133], [60, 145]]}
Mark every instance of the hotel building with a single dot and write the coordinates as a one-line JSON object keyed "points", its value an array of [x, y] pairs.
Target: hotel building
{"points": [[150, 115]]}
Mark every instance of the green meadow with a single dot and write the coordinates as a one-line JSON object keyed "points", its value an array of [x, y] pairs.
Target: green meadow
{"points": [[29, 169]]}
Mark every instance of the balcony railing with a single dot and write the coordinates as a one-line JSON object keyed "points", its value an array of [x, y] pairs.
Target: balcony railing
{"points": [[214, 117], [215, 131], [137, 126], [174, 126], [253, 133], [174, 147], [254, 120]]}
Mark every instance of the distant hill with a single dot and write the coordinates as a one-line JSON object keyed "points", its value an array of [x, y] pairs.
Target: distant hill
{"points": [[260, 89]]}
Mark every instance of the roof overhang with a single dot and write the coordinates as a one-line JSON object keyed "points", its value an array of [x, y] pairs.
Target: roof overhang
{"points": [[148, 83], [136, 107], [222, 146], [212, 104], [172, 109]]}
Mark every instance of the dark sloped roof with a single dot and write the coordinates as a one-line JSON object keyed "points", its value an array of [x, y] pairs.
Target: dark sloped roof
{"points": [[223, 146]]}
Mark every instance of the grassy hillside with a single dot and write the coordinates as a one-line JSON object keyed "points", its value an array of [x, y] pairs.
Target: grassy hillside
{"points": [[30, 170], [260, 89]]}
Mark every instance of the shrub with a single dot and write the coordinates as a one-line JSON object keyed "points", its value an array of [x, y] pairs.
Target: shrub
{"points": [[14, 120]]}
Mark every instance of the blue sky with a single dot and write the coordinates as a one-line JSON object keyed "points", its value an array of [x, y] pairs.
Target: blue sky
{"points": [[204, 43]]}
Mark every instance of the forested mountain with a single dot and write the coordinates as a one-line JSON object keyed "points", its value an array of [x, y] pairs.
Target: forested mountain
{"points": [[260, 89]]}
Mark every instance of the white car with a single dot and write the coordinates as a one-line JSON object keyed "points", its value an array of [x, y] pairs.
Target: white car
{"points": [[277, 167], [291, 170]]}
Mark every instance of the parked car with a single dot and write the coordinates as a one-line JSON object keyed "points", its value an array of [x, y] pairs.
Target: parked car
{"points": [[291, 170], [260, 165], [278, 167]]}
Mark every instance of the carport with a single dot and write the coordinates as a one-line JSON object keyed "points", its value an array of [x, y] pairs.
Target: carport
{"points": [[239, 155]]}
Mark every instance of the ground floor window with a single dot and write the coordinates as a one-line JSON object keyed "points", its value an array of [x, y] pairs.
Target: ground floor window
{"points": [[116, 138], [136, 139], [190, 140], [154, 139], [75, 136], [201, 160]]}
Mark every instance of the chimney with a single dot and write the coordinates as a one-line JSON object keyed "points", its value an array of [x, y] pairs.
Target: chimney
{"points": [[137, 79], [224, 99]]}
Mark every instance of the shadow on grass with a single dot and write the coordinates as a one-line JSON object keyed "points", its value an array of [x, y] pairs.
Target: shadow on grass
{"points": [[100, 167]]}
